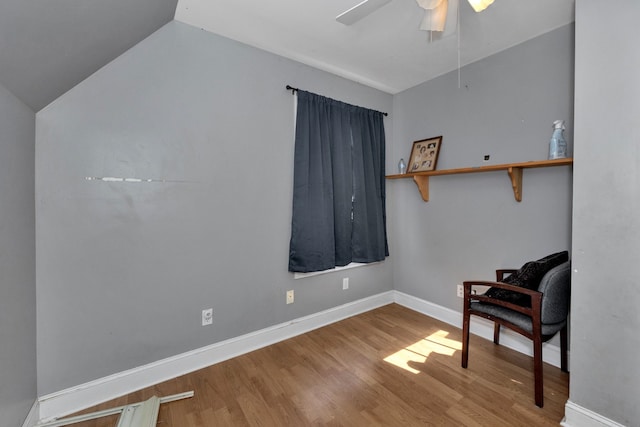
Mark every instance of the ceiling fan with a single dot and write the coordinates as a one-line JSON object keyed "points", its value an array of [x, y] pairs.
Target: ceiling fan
{"points": [[435, 12]]}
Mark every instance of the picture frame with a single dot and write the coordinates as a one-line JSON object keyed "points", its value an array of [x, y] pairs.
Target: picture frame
{"points": [[424, 155]]}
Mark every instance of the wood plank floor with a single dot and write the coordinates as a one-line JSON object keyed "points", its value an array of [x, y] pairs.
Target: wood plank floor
{"points": [[388, 367]]}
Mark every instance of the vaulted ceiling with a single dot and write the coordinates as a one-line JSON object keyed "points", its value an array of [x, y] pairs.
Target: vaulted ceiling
{"points": [[385, 49], [49, 46]]}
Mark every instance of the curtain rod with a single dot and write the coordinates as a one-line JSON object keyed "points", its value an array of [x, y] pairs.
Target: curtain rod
{"points": [[295, 89]]}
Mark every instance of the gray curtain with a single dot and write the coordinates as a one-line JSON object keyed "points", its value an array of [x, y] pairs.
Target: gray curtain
{"points": [[339, 212]]}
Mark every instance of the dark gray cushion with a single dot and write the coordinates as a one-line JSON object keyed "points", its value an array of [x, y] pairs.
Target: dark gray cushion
{"points": [[518, 319], [529, 277], [556, 292]]}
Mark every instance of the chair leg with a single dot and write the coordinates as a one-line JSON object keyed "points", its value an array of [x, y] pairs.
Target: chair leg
{"points": [[496, 333], [563, 350], [537, 370], [465, 339], [466, 305]]}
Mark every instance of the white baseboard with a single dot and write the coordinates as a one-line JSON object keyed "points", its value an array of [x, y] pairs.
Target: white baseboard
{"points": [[33, 416], [577, 416], [68, 401], [479, 326], [85, 395]]}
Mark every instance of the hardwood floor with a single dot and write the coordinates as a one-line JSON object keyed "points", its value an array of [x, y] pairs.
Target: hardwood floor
{"points": [[387, 367]]}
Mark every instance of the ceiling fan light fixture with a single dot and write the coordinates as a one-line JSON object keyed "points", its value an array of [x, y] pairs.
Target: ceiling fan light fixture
{"points": [[480, 5], [435, 15]]}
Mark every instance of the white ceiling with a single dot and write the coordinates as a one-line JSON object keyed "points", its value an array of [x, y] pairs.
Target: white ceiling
{"points": [[385, 50], [49, 46]]}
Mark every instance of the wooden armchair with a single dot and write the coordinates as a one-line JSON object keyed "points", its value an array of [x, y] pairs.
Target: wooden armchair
{"points": [[540, 321]]}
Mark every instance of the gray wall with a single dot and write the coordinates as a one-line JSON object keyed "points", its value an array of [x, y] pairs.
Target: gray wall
{"points": [[606, 243], [124, 269], [17, 261], [504, 107]]}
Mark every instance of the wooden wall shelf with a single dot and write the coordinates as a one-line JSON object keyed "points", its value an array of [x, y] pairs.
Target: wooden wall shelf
{"points": [[513, 169]]}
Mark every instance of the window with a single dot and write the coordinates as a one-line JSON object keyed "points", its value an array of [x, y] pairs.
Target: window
{"points": [[339, 212]]}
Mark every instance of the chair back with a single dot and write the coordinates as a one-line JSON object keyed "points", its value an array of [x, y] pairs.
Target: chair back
{"points": [[556, 293]]}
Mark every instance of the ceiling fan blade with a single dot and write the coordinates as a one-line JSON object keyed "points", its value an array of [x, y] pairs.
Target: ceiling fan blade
{"points": [[360, 10]]}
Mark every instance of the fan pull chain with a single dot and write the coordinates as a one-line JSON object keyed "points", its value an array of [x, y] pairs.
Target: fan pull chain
{"points": [[458, 40]]}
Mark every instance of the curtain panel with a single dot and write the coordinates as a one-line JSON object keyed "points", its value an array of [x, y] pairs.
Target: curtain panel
{"points": [[339, 213]]}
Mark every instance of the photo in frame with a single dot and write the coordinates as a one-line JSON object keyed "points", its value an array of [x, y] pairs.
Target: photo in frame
{"points": [[424, 155]]}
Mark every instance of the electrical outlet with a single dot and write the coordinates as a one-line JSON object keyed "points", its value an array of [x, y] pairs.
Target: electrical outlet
{"points": [[460, 291], [207, 316], [290, 297], [345, 283]]}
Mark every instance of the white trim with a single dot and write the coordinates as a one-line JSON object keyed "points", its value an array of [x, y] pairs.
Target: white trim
{"points": [[430, 309], [333, 270], [577, 416], [480, 327], [33, 416], [76, 398]]}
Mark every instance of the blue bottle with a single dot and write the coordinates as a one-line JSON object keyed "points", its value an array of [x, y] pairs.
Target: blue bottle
{"points": [[557, 144], [402, 167]]}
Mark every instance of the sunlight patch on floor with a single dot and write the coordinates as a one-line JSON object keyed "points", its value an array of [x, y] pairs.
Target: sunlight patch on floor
{"points": [[420, 351]]}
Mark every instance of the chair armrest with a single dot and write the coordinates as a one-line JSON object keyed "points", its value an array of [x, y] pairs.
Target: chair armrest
{"points": [[536, 297], [502, 271]]}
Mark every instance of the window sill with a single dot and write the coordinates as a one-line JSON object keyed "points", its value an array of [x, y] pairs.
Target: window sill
{"points": [[333, 270]]}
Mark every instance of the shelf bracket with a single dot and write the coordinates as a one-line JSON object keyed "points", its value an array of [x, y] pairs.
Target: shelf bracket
{"points": [[423, 185], [516, 182]]}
